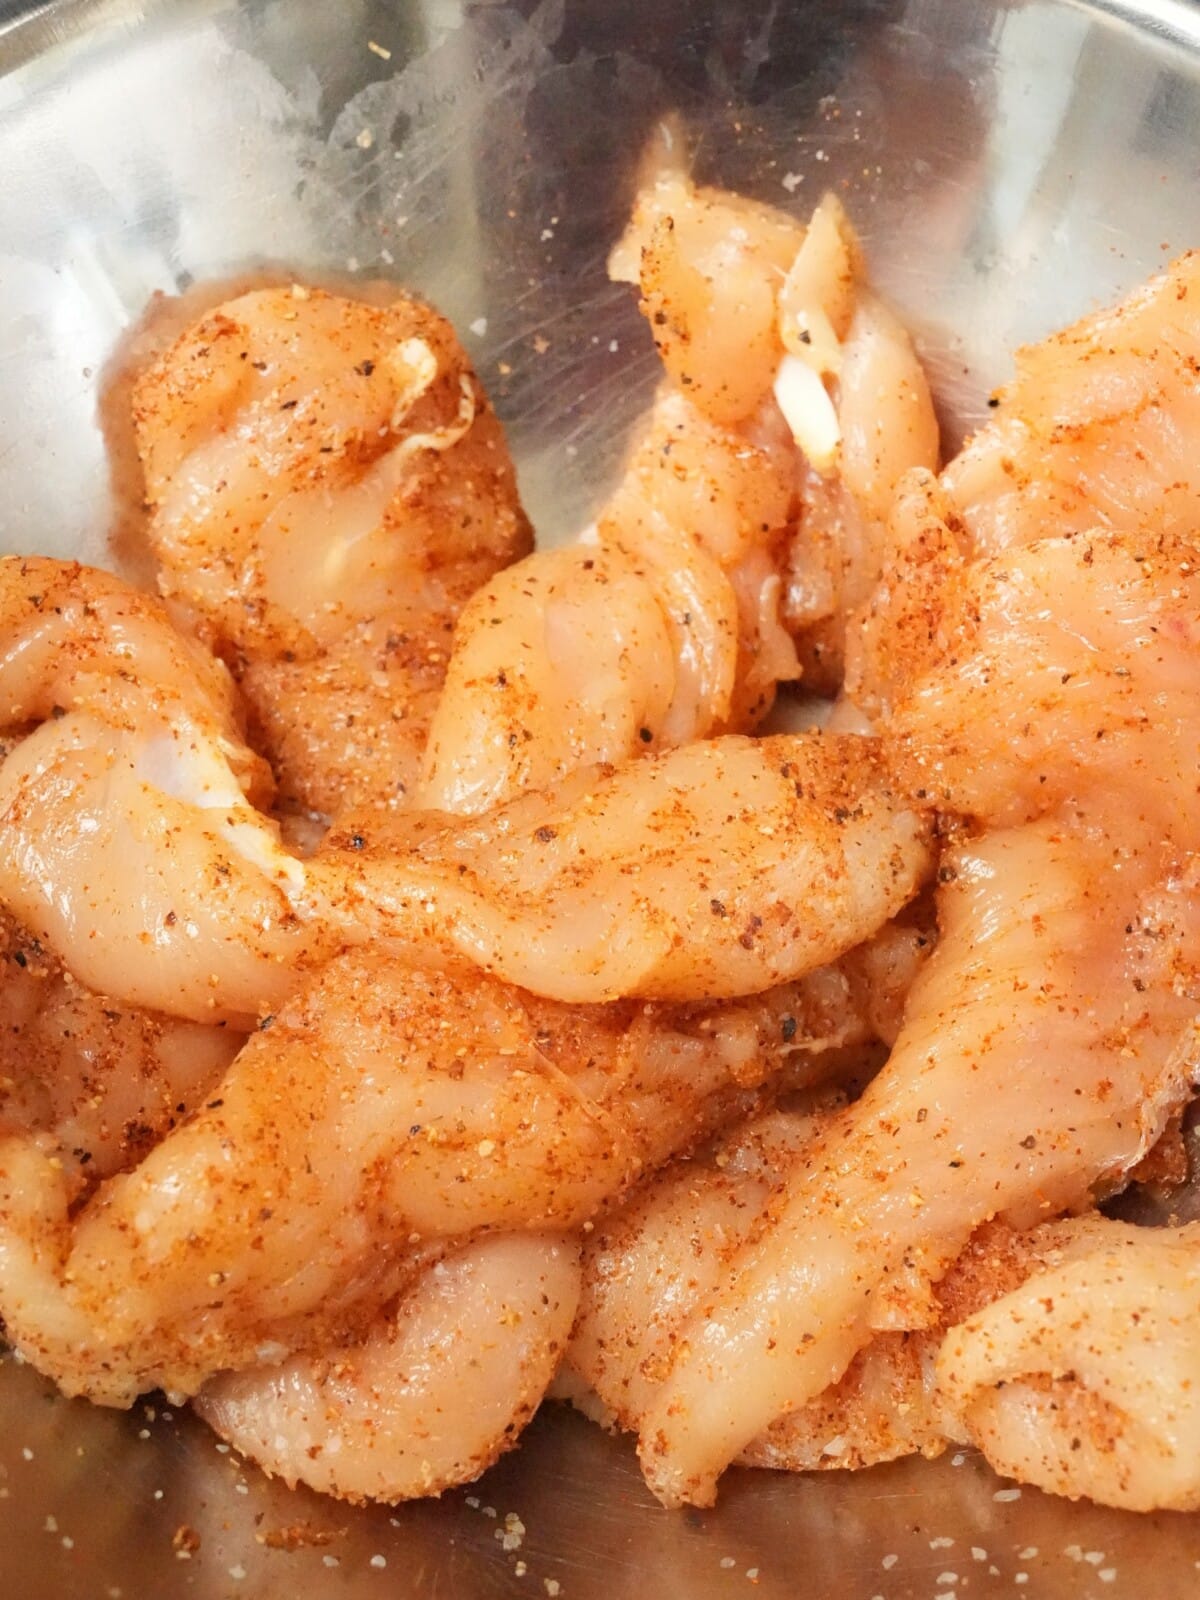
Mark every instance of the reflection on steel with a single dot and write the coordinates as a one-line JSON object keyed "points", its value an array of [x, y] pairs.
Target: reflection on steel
{"points": [[1010, 165]]}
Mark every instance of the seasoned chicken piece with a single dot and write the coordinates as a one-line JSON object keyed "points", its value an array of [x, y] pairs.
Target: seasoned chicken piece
{"points": [[1098, 430], [747, 305], [1086, 1380], [1014, 684], [132, 847], [435, 1392], [328, 484], [711, 871], [661, 628], [75, 639], [655, 1263], [105, 1081], [710, 266], [382, 1108]]}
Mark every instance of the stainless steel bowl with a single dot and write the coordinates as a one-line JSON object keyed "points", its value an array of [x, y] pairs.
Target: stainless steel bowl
{"points": [[1010, 165]]}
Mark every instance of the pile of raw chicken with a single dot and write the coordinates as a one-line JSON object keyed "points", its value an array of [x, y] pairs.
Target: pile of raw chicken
{"points": [[423, 987]]}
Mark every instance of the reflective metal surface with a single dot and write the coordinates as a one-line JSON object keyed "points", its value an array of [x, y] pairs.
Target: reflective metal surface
{"points": [[1010, 165]]}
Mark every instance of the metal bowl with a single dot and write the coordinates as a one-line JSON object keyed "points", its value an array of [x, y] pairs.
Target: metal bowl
{"points": [[1009, 165]]}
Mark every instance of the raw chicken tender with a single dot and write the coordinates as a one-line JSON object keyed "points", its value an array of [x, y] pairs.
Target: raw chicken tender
{"points": [[132, 847], [103, 1082], [1086, 1380], [435, 1392], [1016, 684], [662, 628], [678, 878], [328, 484], [1099, 429], [654, 1264], [75, 639], [710, 265], [383, 1108], [711, 871], [747, 304]]}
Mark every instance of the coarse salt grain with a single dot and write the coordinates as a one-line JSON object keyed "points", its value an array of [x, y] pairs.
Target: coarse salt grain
{"points": [[379, 1561], [552, 1586], [889, 1562], [978, 1554], [27, 1452], [479, 327], [1107, 1574], [1028, 1553], [379, 50], [51, 1524], [728, 1561], [1006, 1496], [237, 1573], [330, 1561], [944, 1543]]}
